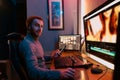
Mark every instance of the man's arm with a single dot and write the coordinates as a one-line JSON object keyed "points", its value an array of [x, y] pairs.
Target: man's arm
{"points": [[32, 65]]}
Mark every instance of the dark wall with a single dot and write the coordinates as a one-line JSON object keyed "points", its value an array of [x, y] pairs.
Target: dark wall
{"points": [[7, 25], [7, 17], [21, 16], [12, 19]]}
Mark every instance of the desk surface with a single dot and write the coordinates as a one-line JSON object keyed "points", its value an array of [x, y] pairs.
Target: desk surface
{"points": [[106, 75]]}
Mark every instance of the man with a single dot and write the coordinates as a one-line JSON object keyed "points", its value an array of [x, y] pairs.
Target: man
{"points": [[32, 51]]}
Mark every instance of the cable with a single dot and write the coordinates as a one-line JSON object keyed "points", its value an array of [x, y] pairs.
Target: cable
{"points": [[103, 74]]}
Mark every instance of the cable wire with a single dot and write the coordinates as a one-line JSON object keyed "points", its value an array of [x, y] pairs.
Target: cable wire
{"points": [[103, 74]]}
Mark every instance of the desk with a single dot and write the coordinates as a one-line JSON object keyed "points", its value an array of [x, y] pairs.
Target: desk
{"points": [[108, 75]]}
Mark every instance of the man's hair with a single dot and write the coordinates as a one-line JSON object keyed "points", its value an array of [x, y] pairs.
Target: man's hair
{"points": [[30, 20]]}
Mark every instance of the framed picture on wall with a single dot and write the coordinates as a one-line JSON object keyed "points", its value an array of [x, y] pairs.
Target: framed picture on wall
{"points": [[55, 14]]}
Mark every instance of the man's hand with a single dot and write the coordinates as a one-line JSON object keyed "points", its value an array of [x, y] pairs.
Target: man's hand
{"points": [[55, 53], [67, 73]]}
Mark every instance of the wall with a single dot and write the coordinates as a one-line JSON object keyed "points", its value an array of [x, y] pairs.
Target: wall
{"points": [[92, 4], [7, 25], [49, 38]]}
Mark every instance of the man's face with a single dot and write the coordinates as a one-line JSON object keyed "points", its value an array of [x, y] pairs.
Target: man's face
{"points": [[36, 27]]}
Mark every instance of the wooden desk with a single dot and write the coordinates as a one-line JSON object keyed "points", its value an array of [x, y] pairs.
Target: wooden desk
{"points": [[106, 76]]}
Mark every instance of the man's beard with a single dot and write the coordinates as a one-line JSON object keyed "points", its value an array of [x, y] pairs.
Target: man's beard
{"points": [[36, 34]]}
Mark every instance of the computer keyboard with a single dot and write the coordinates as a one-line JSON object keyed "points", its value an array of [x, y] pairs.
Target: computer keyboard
{"points": [[75, 61]]}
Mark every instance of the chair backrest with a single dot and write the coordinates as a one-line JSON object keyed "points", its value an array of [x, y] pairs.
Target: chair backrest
{"points": [[13, 42]]}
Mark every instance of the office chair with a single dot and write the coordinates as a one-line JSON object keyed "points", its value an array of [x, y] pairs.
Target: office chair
{"points": [[15, 58]]}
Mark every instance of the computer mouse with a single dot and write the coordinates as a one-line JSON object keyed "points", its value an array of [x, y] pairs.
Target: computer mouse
{"points": [[96, 70]]}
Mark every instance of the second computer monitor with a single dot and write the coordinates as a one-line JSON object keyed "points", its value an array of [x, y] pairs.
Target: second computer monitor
{"points": [[72, 42]]}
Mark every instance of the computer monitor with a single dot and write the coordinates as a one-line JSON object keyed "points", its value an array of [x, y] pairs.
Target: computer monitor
{"points": [[72, 42], [100, 27]]}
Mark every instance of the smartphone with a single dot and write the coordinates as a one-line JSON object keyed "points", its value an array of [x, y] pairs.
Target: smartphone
{"points": [[61, 51]]}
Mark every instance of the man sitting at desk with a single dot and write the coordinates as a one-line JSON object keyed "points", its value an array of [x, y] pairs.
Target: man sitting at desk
{"points": [[33, 54]]}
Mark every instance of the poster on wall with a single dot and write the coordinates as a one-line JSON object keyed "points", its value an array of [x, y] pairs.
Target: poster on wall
{"points": [[55, 14]]}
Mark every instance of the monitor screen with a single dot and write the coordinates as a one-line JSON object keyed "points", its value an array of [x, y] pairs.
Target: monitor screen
{"points": [[100, 28], [72, 42]]}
